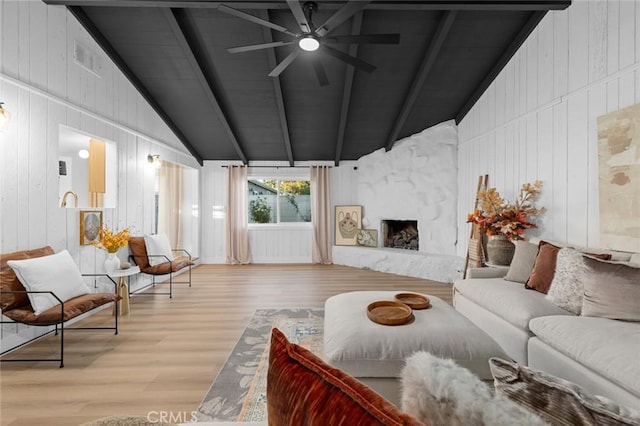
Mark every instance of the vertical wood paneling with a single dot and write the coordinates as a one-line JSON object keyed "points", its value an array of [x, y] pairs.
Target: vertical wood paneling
{"points": [[627, 87], [37, 50], [578, 45], [9, 52], [9, 176], [23, 39], [628, 36], [509, 92], [545, 165], [37, 166], [532, 72], [37, 42], [24, 130], [532, 149], [557, 211], [560, 52], [500, 99], [590, 51], [56, 51], [522, 80], [597, 107], [597, 40], [545, 60], [613, 35]]}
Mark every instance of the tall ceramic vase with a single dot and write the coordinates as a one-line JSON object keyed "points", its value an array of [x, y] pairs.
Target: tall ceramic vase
{"points": [[500, 250], [111, 263]]}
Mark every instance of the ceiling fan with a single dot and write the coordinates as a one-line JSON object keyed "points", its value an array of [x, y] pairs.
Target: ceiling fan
{"points": [[313, 38]]}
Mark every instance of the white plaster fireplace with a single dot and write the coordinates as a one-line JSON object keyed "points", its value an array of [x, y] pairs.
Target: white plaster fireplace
{"points": [[415, 181]]}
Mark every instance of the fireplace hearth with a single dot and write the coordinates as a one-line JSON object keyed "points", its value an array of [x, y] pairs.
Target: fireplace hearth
{"points": [[401, 234]]}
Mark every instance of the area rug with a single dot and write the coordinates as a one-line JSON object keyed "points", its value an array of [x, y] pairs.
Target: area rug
{"points": [[239, 391]]}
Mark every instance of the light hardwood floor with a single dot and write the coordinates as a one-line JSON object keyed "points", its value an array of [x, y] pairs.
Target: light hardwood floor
{"points": [[168, 352]]}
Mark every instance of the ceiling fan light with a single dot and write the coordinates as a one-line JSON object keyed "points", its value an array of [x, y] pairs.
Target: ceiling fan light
{"points": [[309, 43]]}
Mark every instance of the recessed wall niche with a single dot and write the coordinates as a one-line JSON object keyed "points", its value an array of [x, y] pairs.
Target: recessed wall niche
{"points": [[87, 170]]}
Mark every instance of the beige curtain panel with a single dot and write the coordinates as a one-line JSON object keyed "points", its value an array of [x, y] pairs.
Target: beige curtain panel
{"points": [[170, 187], [321, 215], [237, 231]]}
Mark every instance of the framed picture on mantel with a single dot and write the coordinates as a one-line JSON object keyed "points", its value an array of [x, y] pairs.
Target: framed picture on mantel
{"points": [[367, 237], [348, 223]]}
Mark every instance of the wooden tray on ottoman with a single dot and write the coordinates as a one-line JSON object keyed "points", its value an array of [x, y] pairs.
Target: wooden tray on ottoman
{"points": [[413, 300], [387, 312]]}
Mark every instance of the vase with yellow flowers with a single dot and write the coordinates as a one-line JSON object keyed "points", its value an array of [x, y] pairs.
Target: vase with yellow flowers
{"points": [[497, 217], [111, 242]]}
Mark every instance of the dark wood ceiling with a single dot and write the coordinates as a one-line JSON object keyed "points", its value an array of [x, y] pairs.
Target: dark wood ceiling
{"points": [[224, 106]]}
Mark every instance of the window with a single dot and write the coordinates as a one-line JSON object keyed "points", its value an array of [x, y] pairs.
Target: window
{"points": [[279, 201]]}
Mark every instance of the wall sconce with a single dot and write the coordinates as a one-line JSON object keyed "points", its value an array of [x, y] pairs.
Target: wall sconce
{"points": [[83, 153], [5, 117], [154, 159]]}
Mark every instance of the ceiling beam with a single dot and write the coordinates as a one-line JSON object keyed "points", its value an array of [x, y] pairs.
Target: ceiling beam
{"points": [[433, 50], [379, 5], [91, 28], [277, 89], [513, 47], [197, 66], [356, 26]]}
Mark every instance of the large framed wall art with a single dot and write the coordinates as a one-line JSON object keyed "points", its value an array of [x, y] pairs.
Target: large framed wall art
{"points": [[348, 222], [619, 177]]}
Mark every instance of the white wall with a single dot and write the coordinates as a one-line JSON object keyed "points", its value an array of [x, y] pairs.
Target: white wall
{"points": [[538, 118], [44, 88]]}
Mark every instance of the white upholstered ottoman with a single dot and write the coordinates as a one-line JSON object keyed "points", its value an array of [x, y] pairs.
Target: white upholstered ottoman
{"points": [[375, 353]]}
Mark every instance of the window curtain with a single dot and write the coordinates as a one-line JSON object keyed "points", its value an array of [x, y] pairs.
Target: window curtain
{"points": [[237, 229], [170, 186], [321, 215]]}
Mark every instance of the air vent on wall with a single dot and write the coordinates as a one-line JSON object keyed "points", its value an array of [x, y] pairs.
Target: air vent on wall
{"points": [[87, 59]]}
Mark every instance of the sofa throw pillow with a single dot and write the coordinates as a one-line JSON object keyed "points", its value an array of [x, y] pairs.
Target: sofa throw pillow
{"points": [[543, 268], [303, 389], [558, 401], [611, 290], [567, 286], [522, 263], [57, 273], [440, 392], [158, 249]]}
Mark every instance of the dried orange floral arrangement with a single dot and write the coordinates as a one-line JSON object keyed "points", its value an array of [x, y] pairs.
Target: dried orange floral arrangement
{"points": [[498, 217], [112, 242]]}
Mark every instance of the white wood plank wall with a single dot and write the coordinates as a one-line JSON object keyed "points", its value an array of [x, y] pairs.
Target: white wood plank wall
{"points": [[43, 88], [538, 118]]}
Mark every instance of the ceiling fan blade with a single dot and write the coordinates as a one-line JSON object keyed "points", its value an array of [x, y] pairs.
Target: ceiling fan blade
{"points": [[351, 60], [255, 20], [284, 64], [249, 48], [344, 13], [298, 13], [364, 39], [319, 69]]}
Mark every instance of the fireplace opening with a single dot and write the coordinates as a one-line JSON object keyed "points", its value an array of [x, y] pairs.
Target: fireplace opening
{"points": [[401, 234]]}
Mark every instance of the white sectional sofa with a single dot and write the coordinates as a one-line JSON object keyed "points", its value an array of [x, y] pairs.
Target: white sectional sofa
{"points": [[600, 354]]}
